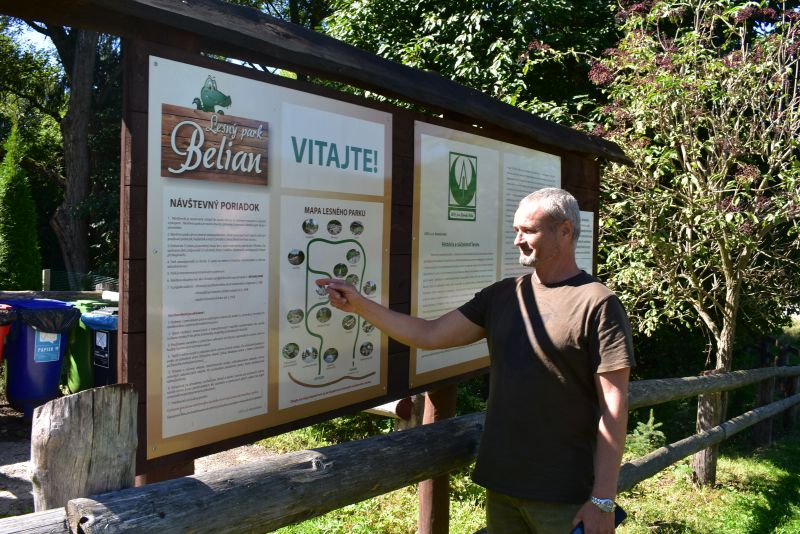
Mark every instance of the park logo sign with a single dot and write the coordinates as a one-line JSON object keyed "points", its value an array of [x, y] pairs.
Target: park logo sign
{"points": [[205, 144], [462, 187]]}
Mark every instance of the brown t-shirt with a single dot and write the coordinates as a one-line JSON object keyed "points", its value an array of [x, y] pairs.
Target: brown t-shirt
{"points": [[546, 343]]}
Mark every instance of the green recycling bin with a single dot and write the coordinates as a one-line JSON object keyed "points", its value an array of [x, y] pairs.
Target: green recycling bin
{"points": [[102, 324], [79, 369]]}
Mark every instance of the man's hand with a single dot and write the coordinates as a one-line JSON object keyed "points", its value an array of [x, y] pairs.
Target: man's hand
{"points": [[341, 294], [595, 521]]}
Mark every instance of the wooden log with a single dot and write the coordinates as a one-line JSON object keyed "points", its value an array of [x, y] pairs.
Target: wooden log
{"points": [[397, 409], [83, 444], [434, 494], [644, 393], [48, 522], [275, 492], [642, 468]]}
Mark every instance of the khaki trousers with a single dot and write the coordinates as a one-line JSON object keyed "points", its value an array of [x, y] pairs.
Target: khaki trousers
{"points": [[510, 515]]}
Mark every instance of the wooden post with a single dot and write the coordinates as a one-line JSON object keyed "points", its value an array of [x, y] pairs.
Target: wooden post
{"points": [[434, 494], [762, 432], [83, 444], [790, 387], [45, 279]]}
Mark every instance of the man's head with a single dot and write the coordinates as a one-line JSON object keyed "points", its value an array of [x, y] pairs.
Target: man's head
{"points": [[547, 223]]}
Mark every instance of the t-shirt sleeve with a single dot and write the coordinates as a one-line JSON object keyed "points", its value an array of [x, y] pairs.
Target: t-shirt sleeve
{"points": [[476, 309], [612, 343]]}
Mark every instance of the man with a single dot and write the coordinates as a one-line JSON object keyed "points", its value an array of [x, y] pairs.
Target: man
{"points": [[561, 354]]}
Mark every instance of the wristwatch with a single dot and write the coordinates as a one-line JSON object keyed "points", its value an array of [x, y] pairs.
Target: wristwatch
{"points": [[606, 505]]}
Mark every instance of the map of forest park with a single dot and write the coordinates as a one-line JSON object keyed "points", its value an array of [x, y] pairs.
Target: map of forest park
{"points": [[323, 347]]}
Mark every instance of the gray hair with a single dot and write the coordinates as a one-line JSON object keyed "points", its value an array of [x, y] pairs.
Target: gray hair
{"points": [[559, 205]]}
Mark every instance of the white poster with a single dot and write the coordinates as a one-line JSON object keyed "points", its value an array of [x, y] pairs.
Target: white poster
{"points": [[584, 252], [457, 235], [468, 189], [253, 190], [214, 260], [325, 351], [524, 171]]}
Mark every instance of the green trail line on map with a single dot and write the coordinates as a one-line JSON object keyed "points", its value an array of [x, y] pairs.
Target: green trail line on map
{"points": [[328, 275], [345, 377]]}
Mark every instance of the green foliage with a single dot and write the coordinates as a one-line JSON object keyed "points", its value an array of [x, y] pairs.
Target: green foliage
{"points": [[704, 224], [20, 263], [645, 438], [32, 96], [485, 45]]}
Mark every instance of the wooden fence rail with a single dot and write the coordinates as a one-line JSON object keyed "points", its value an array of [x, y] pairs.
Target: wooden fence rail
{"points": [[289, 488], [644, 393]]}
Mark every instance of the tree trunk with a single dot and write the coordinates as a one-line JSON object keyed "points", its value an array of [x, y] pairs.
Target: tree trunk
{"points": [[704, 463], [69, 221], [712, 408]]}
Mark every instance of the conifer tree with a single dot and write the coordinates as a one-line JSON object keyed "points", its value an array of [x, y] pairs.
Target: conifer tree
{"points": [[20, 262]]}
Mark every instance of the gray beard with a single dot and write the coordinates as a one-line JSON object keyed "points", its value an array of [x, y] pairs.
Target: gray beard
{"points": [[527, 261]]}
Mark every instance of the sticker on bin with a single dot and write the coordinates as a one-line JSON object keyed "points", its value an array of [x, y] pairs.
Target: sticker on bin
{"points": [[100, 352], [47, 347]]}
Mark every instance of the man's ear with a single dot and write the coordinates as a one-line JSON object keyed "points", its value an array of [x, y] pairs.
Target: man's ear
{"points": [[565, 229]]}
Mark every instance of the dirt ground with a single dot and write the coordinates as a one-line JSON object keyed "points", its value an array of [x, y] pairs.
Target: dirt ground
{"points": [[15, 452]]}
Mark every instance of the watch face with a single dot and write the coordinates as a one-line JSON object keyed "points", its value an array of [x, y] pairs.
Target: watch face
{"points": [[606, 505]]}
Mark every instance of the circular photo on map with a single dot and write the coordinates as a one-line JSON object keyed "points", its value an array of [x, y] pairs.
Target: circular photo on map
{"points": [[365, 349], [334, 227], [296, 256], [353, 256], [310, 355], [324, 315], [352, 279], [310, 226], [356, 227], [349, 322], [290, 351], [330, 355], [321, 291], [295, 316], [369, 287], [367, 327], [340, 270]]}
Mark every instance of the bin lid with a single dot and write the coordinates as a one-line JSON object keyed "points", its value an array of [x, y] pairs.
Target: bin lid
{"points": [[100, 320], [7, 314], [86, 305], [46, 315]]}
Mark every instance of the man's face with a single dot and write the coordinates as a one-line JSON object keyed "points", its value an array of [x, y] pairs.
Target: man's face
{"points": [[540, 240]]}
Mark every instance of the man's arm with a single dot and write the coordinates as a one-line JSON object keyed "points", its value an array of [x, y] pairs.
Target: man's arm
{"points": [[450, 330], [612, 392]]}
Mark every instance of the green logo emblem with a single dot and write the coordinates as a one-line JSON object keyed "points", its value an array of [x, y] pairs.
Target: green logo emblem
{"points": [[211, 97], [462, 187]]}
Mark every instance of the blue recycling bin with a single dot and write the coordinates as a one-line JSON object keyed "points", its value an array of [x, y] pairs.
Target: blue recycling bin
{"points": [[35, 350], [102, 323]]}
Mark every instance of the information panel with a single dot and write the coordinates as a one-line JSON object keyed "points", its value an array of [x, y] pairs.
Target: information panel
{"points": [[254, 191], [467, 189]]}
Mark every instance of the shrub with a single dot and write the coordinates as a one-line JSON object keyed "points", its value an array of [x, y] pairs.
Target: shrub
{"points": [[645, 438]]}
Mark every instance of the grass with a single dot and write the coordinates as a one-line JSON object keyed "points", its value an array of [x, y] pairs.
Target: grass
{"points": [[756, 492]]}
